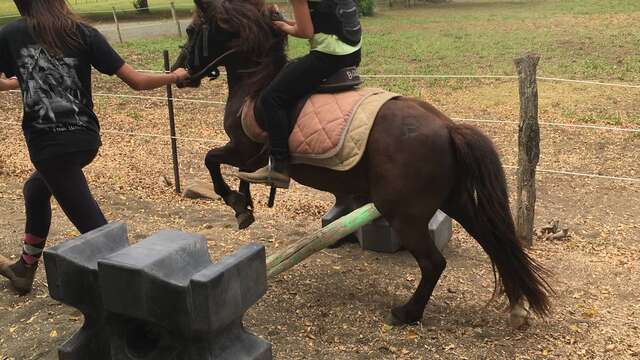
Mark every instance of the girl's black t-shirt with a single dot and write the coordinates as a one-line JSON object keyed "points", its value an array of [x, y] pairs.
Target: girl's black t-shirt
{"points": [[56, 89]]}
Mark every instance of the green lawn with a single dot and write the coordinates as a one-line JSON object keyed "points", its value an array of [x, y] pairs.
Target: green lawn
{"points": [[7, 7], [585, 39], [576, 38]]}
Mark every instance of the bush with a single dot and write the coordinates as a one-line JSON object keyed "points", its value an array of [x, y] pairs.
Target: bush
{"points": [[366, 7], [141, 5]]}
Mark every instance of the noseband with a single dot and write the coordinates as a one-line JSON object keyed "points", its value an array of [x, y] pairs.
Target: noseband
{"points": [[211, 71]]}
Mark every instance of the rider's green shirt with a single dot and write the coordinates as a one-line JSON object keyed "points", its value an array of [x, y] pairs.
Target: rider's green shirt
{"points": [[330, 44]]}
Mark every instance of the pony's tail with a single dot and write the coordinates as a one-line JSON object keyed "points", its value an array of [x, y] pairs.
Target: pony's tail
{"points": [[483, 190]]}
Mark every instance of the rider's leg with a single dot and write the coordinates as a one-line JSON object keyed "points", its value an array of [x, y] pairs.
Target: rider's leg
{"points": [[297, 80]]}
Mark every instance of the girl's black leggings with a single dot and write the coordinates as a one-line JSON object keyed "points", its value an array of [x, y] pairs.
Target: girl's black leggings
{"points": [[297, 80], [62, 178]]}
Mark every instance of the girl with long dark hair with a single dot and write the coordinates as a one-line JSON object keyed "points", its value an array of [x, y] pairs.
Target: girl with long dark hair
{"points": [[334, 33], [51, 52]]}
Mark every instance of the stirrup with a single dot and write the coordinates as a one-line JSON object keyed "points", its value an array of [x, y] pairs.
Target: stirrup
{"points": [[275, 183]]}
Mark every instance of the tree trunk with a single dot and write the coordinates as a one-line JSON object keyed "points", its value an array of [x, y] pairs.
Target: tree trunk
{"points": [[142, 6]]}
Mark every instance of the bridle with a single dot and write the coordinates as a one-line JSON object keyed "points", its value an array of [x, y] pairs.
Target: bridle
{"points": [[211, 70], [201, 41]]}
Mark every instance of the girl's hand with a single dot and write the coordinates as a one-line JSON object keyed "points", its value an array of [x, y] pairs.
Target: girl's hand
{"points": [[302, 27], [181, 74], [9, 84], [285, 27]]}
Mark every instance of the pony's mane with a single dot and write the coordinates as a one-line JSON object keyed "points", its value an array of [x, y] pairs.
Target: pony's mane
{"points": [[254, 35]]}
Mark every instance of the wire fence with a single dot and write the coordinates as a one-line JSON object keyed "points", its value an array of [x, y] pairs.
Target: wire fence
{"points": [[477, 77], [118, 9], [461, 119], [551, 79]]}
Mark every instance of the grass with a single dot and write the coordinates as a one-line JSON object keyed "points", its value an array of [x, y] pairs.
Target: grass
{"points": [[7, 7], [583, 39], [102, 11], [577, 39]]}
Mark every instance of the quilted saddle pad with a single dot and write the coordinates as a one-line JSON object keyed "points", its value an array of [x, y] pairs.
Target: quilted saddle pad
{"points": [[331, 130]]}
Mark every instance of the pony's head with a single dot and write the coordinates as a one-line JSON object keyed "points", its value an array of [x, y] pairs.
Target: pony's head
{"points": [[237, 34]]}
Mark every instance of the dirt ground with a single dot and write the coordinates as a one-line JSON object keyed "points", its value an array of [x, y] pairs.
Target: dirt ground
{"points": [[340, 297], [333, 305]]}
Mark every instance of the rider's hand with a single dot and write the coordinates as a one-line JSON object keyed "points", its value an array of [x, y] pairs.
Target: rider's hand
{"points": [[181, 74], [285, 27]]}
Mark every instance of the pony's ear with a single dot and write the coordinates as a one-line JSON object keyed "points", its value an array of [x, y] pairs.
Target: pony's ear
{"points": [[202, 5]]}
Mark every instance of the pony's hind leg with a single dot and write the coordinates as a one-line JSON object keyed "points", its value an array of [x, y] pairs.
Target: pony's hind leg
{"points": [[458, 207], [414, 235]]}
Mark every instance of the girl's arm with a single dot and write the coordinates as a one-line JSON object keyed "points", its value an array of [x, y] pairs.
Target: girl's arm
{"points": [[141, 81], [302, 27], [9, 84]]}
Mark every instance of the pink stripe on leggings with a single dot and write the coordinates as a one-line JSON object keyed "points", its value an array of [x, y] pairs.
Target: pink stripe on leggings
{"points": [[32, 239]]}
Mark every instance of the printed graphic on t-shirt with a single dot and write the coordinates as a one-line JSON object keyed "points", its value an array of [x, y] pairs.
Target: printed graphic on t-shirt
{"points": [[51, 90]]}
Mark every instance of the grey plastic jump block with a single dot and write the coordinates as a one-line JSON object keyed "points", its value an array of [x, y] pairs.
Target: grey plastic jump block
{"points": [[378, 235], [72, 275], [163, 299]]}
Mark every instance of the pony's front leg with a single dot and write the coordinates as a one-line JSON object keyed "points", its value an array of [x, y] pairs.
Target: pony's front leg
{"points": [[245, 218], [239, 201]]}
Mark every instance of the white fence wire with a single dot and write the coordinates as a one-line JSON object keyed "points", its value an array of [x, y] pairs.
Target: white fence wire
{"points": [[118, 10], [405, 76], [544, 78]]}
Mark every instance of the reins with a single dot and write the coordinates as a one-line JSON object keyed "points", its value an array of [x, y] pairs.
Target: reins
{"points": [[211, 70]]}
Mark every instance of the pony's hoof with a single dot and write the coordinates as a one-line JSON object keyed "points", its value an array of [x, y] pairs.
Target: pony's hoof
{"points": [[245, 220], [399, 317], [392, 320], [518, 318]]}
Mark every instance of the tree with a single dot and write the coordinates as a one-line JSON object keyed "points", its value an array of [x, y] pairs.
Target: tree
{"points": [[141, 5]]}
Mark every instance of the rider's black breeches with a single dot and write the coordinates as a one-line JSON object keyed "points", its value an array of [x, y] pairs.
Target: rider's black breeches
{"points": [[297, 80]]}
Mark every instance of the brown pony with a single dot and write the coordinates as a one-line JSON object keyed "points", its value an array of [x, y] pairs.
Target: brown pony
{"points": [[417, 160]]}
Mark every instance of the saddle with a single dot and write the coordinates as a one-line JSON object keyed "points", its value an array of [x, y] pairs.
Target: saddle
{"points": [[345, 79], [329, 128]]}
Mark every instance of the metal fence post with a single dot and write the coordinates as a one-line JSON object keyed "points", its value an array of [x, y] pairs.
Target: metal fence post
{"points": [[172, 126]]}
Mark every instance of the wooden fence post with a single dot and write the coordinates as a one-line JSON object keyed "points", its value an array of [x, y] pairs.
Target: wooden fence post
{"points": [[175, 18], [528, 147], [115, 18]]}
